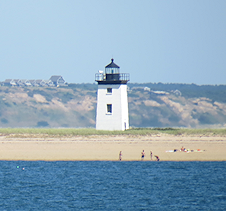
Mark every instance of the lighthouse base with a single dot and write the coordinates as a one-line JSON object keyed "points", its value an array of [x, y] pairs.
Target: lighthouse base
{"points": [[112, 107]]}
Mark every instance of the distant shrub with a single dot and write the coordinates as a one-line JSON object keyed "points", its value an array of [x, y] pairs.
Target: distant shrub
{"points": [[86, 86], [7, 104], [93, 93], [42, 124], [47, 95], [30, 93], [4, 121], [66, 96]]}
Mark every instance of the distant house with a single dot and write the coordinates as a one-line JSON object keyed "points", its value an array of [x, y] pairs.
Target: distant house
{"points": [[38, 82], [58, 80], [147, 89], [19, 82], [27, 83], [55, 80], [46, 83], [138, 88], [34, 83], [23, 82], [16, 82], [10, 82], [159, 92], [7, 82], [177, 92]]}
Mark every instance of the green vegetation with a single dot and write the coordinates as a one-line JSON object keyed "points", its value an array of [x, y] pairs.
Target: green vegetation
{"points": [[44, 92], [42, 124], [69, 132], [4, 121], [191, 106], [213, 92]]}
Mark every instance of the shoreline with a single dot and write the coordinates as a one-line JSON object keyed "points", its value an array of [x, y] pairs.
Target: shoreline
{"points": [[107, 148]]}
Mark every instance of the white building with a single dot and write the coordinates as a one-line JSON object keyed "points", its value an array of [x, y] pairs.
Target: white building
{"points": [[112, 100]]}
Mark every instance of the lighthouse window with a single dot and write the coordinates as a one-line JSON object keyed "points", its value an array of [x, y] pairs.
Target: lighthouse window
{"points": [[109, 90], [109, 108]]}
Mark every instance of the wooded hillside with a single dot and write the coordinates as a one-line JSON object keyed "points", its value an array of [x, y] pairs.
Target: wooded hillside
{"points": [[150, 105]]}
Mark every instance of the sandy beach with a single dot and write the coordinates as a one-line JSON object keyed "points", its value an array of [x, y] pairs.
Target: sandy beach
{"points": [[202, 148]]}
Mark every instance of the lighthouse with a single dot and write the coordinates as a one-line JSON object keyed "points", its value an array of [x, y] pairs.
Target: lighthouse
{"points": [[112, 100]]}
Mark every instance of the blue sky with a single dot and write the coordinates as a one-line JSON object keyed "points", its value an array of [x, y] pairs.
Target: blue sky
{"points": [[168, 41]]}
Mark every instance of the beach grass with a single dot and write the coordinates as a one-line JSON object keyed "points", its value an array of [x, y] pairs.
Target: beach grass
{"points": [[62, 132]]}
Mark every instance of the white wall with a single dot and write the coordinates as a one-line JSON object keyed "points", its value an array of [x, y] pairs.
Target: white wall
{"points": [[119, 100]]}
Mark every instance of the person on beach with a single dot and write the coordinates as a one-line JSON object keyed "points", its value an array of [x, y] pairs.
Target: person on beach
{"points": [[142, 155], [120, 155], [157, 158], [182, 149]]}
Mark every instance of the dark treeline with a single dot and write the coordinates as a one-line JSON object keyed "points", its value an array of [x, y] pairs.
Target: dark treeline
{"points": [[213, 92]]}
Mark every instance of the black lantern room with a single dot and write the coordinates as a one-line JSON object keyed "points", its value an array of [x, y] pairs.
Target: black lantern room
{"points": [[112, 75]]}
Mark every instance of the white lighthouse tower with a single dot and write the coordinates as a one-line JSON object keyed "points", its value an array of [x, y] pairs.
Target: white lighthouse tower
{"points": [[112, 100]]}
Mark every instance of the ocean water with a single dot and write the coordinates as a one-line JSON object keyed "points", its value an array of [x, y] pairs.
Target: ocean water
{"points": [[106, 185]]}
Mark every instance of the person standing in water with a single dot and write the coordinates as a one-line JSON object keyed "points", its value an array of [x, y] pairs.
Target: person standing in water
{"points": [[142, 155]]}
